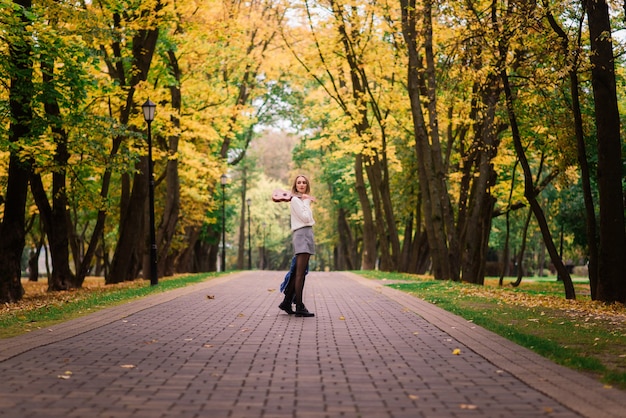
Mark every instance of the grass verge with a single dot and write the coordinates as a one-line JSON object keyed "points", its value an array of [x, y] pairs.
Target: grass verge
{"points": [[587, 336], [41, 309]]}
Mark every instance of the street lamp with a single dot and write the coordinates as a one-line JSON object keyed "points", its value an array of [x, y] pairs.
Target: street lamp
{"points": [[148, 114], [249, 201], [223, 181]]}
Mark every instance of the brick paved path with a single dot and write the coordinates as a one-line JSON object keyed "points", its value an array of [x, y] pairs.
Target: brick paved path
{"points": [[224, 349]]}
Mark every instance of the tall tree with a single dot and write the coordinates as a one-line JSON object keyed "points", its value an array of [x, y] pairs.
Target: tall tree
{"points": [[344, 61], [437, 209], [171, 208], [127, 258], [531, 193], [573, 63], [612, 246], [63, 76], [12, 229], [236, 78], [509, 31]]}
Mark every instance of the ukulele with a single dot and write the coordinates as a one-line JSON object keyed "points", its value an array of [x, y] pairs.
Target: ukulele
{"points": [[280, 195]]}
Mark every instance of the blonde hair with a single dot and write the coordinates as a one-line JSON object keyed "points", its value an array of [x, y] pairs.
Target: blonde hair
{"points": [[294, 190]]}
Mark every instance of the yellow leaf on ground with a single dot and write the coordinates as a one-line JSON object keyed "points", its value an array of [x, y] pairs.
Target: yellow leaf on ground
{"points": [[456, 351]]}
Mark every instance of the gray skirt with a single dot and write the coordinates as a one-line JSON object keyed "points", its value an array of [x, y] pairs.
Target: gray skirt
{"points": [[303, 241]]}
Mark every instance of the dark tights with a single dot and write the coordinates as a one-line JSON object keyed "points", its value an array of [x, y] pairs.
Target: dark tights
{"points": [[296, 283]]}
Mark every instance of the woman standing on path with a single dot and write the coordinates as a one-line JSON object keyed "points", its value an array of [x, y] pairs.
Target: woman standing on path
{"points": [[303, 244]]}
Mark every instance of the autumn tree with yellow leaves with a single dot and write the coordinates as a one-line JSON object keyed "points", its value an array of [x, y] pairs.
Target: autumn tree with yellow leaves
{"points": [[421, 123]]}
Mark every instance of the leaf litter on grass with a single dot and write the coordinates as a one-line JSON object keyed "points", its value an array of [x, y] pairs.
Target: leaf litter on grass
{"points": [[586, 334], [37, 303]]}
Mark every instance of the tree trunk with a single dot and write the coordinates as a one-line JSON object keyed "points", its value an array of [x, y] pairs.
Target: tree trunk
{"points": [[475, 223], [372, 159], [522, 250], [131, 244], [415, 254], [368, 256], [143, 47], [98, 230], [530, 192], [12, 229], [205, 255], [33, 263], [171, 210], [241, 250], [585, 172], [382, 236], [345, 250], [507, 246], [612, 249], [406, 258], [439, 224], [183, 261], [438, 174], [12, 235], [56, 217], [55, 223], [128, 259]]}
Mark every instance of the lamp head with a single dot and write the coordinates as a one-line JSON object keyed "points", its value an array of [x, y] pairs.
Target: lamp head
{"points": [[149, 109]]}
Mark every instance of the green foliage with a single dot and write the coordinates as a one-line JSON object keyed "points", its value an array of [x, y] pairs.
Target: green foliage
{"points": [[241, 66]]}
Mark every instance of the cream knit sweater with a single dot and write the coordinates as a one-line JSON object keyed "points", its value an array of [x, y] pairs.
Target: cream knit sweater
{"points": [[301, 214]]}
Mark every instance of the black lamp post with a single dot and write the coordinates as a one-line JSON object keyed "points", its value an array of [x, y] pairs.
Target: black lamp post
{"points": [[223, 181], [249, 201], [148, 114]]}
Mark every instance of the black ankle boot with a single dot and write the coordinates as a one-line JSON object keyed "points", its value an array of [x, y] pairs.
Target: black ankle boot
{"points": [[286, 306], [302, 311]]}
